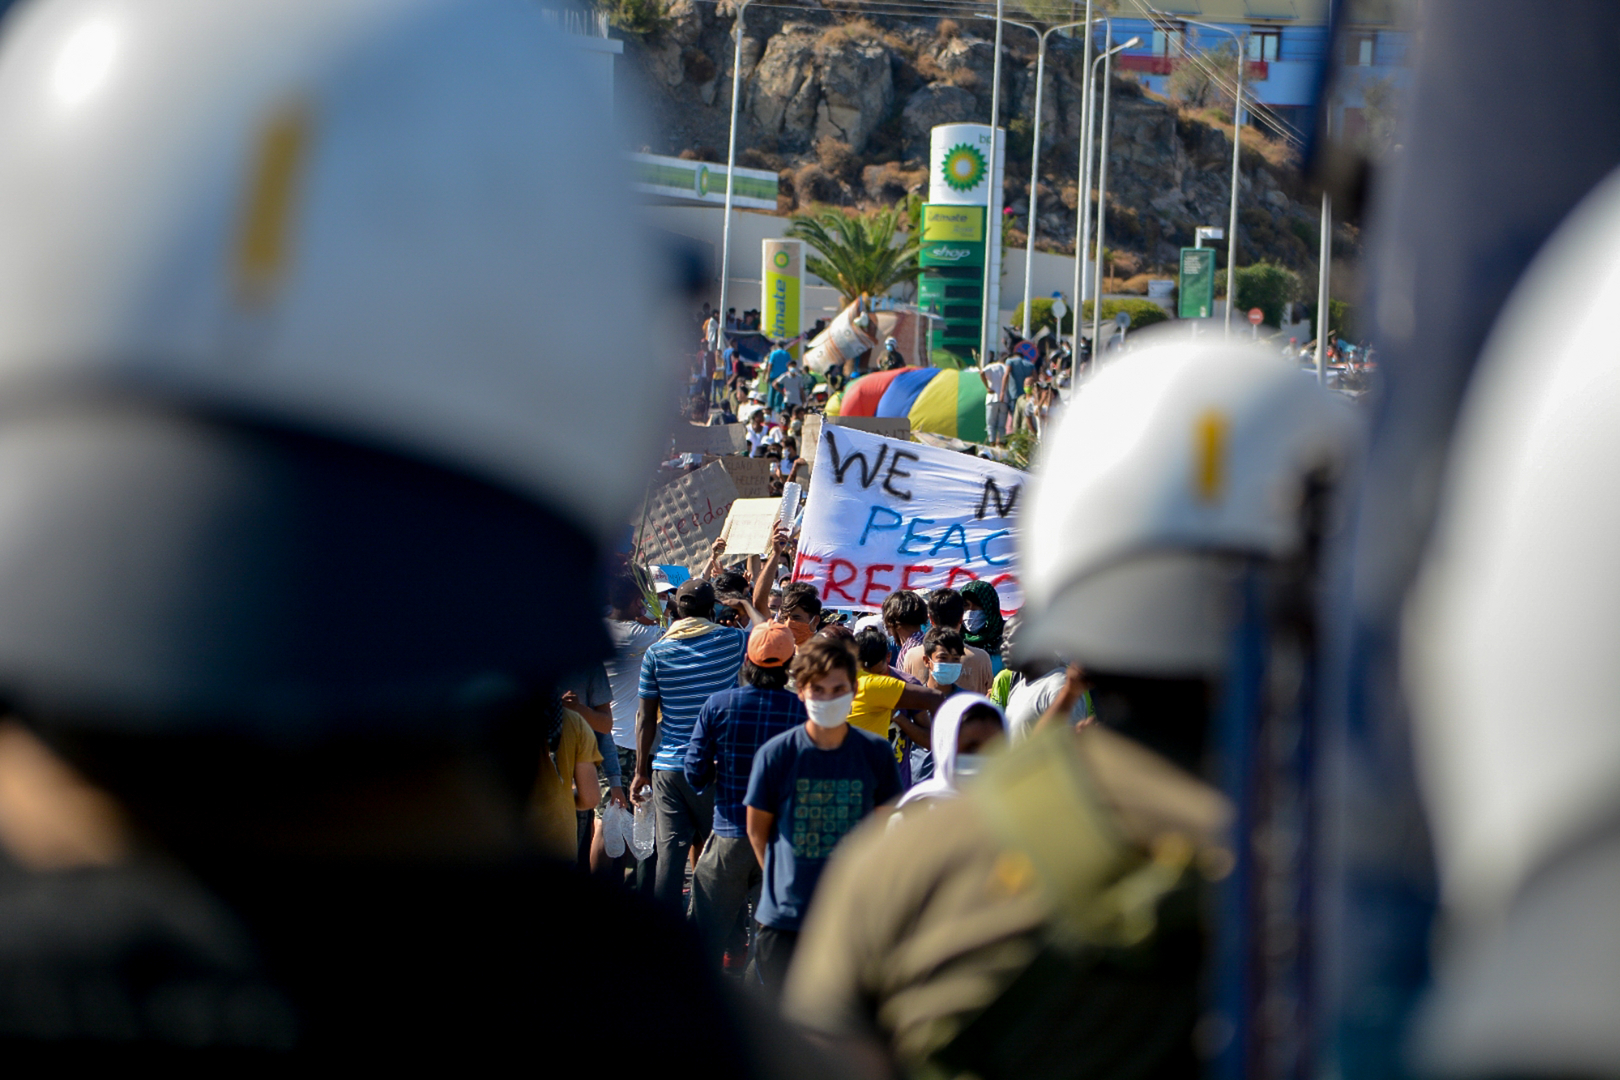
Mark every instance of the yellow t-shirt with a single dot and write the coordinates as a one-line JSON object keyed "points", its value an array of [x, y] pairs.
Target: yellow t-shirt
{"points": [[551, 807], [875, 698]]}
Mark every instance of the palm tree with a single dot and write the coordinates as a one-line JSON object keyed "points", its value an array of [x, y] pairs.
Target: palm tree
{"points": [[858, 253]]}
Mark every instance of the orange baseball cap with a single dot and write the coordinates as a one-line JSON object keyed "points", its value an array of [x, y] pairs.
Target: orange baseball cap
{"points": [[770, 645]]}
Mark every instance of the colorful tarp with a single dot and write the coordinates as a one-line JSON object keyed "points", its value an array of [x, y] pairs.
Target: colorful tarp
{"points": [[933, 399]]}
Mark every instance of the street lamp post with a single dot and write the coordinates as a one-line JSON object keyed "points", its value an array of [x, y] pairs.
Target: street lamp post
{"points": [[731, 170], [1323, 256], [1082, 212], [1035, 154], [1237, 130], [1106, 60], [989, 321]]}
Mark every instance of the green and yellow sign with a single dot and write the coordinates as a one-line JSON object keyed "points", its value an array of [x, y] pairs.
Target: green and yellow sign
{"points": [[783, 262], [957, 223]]}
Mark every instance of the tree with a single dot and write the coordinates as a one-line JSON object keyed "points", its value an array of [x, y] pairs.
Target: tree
{"points": [[1268, 287], [858, 253], [1205, 78]]}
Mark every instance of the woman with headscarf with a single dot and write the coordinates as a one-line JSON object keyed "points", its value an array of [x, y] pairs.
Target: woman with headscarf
{"points": [[982, 623], [963, 726]]}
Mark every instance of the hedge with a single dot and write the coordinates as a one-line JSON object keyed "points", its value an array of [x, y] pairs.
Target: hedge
{"points": [[1142, 312]]}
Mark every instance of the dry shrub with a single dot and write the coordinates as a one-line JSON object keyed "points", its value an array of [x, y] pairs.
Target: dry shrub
{"points": [[929, 68], [1137, 284], [966, 78], [1128, 264], [837, 158], [697, 66], [700, 153], [753, 157], [1069, 196], [892, 181], [948, 29], [855, 30], [812, 184]]}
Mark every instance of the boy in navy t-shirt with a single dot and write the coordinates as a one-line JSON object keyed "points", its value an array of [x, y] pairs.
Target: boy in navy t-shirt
{"points": [[809, 787]]}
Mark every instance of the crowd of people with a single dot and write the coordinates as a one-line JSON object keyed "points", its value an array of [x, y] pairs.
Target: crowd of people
{"points": [[1023, 386], [759, 728]]}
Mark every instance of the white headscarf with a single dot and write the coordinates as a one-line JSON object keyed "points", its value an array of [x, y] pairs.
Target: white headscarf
{"points": [[947, 728]]}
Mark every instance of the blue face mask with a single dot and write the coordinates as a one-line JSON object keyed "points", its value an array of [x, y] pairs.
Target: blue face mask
{"points": [[947, 674], [975, 620]]}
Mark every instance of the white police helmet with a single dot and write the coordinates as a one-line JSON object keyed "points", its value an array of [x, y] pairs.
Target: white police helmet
{"points": [[1169, 472], [1510, 645], [300, 302]]}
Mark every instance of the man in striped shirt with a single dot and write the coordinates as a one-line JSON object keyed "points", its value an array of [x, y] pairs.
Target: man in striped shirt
{"points": [[730, 730], [695, 659]]}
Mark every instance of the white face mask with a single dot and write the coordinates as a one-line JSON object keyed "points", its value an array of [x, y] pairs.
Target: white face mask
{"points": [[947, 674], [834, 712], [969, 764], [975, 620]]}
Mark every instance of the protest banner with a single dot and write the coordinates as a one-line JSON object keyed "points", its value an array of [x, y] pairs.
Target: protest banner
{"points": [[888, 515], [752, 476], [749, 525], [711, 439], [683, 518]]}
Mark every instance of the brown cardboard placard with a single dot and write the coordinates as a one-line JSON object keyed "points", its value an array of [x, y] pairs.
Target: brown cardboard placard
{"points": [[752, 476], [890, 427], [683, 518], [711, 439]]}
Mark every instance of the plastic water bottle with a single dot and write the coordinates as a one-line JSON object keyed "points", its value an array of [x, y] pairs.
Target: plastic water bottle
{"points": [[616, 826], [645, 830]]}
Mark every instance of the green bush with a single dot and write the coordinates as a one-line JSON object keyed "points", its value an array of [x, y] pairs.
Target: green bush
{"points": [[1142, 312], [1341, 319], [639, 18], [1268, 287], [1041, 315]]}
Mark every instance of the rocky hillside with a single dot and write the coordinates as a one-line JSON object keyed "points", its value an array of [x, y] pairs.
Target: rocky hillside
{"points": [[842, 107]]}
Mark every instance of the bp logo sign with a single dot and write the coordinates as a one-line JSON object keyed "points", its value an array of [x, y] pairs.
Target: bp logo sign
{"points": [[964, 167], [781, 260], [701, 180]]}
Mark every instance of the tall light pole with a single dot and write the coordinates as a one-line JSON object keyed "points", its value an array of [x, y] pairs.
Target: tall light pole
{"points": [[1035, 154], [1237, 131], [731, 170], [1107, 61], [1324, 255], [989, 321], [1082, 212]]}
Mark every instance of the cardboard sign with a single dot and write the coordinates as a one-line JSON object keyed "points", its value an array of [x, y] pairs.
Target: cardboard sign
{"points": [[752, 476], [748, 526], [683, 518], [895, 427], [890, 515], [716, 439], [810, 437]]}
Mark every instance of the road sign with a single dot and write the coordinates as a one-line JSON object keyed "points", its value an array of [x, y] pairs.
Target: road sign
{"points": [[1122, 319], [1196, 296], [1255, 316], [1059, 308]]}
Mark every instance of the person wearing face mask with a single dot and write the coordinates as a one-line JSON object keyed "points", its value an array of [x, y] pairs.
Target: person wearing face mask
{"points": [[808, 787], [965, 726], [942, 655], [981, 621], [946, 609], [800, 610]]}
